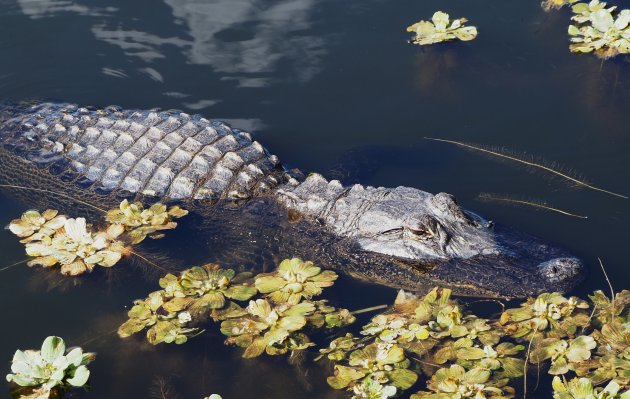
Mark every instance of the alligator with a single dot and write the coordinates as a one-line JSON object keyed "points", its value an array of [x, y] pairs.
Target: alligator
{"points": [[401, 237]]}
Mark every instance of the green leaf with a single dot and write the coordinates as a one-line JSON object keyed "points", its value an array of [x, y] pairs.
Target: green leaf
{"points": [[402, 378], [602, 20], [75, 357], [240, 292], [256, 348], [80, 377], [267, 284], [179, 303], [53, 348]]}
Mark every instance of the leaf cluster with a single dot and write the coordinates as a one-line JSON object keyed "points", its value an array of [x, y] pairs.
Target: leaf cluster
{"points": [[275, 320], [185, 301], [584, 345], [599, 29], [50, 369], [441, 29], [78, 247], [141, 223]]}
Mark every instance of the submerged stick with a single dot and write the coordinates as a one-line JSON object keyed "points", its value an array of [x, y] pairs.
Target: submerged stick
{"points": [[529, 163], [14, 264], [490, 197], [529, 349], [370, 309], [612, 291], [41, 190]]}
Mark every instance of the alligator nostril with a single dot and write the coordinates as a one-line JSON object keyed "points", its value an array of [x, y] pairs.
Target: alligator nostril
{"points": [[561, 269]]}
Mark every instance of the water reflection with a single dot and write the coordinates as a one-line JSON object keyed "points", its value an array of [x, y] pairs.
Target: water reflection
{"points": [[36, 9], [248, 41], [146, 46], [251, 37], [436, 69]]}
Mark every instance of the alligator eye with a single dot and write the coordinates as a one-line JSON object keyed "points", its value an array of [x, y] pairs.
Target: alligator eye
{"points": [[395, 231], [424, 227]]}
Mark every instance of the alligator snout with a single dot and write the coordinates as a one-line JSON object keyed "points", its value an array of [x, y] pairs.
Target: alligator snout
{"points": [[561, 270]]}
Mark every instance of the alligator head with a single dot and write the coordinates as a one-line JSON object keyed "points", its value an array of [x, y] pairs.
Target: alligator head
{"points": [[421, 238]]}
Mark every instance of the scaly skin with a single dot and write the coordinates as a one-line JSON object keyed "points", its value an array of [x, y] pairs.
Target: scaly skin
{"points": [[401, 237]]}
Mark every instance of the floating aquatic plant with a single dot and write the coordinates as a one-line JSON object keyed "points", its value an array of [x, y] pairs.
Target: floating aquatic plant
{"points": [[582, 388], [140, 222], [548, 315], [75, 247], [457, 383], [207, 287], [174, 313], [471, 357], [441, 29], [293, 280], [564, 354], [32, 222], [50, 369], [600, 30], [380, 362], [271, 329], [549, 5], [339, 348], [164, 325], [78, 247], [184, 301], [607, 310]]}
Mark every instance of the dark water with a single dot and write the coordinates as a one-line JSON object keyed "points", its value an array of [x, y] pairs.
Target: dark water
{"points": [[328, 86]]}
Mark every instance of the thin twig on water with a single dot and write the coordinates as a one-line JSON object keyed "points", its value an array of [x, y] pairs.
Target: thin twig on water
{"points": [[529, 163]]}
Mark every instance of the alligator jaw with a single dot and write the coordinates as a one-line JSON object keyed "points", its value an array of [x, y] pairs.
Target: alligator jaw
{"points": [[416, 239]]}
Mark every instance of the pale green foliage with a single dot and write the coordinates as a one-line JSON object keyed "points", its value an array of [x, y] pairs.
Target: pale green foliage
{"points": [[198, 293], [370, 389], [564, 354], [381, 363], [140, 223], [32, 222], [457, 383], [600, 30], [74, 246], [470, 357], [174, 313], [77, 247], [164, 326], [548, 315], [50, 367], [293, 280], [267, 328], [339, 348], [582, 388], [549, 5], [441, 29]]}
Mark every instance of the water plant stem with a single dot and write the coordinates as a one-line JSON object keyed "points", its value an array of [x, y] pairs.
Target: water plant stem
{"points": [[612, 291], [529, 163], [491, 197], [14, 264], [370, 309]]}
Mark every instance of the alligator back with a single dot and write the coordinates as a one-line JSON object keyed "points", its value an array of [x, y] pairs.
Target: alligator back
{"points": [[169, 155]]}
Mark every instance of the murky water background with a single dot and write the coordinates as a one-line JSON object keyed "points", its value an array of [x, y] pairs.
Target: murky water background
{"points": [[328, 86]]}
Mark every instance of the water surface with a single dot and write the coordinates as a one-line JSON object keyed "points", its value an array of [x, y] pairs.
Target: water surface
{"points": [[332, 87]]}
